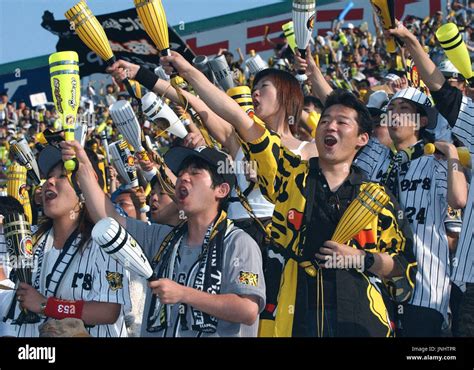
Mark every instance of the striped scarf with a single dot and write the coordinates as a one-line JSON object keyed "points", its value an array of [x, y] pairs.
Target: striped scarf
{"points": [[207, 279]]}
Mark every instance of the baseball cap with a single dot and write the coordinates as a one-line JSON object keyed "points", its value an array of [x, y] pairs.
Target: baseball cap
{"points": [[415, 96], [217, 159], [48, 158], [421, 100], [449, 70], [392, 77], [51, 155], [377, 100]]}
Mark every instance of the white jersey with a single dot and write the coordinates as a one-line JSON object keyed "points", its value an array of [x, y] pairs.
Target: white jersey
{"points": [[91, 275], [422, 193], [260, 206], [463, 264]]}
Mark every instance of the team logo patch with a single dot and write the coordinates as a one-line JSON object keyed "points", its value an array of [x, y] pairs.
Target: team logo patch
{"points": [[23, 192], [130, 161], [26, 246], [115, 280], [310, 22], [248, 278]]}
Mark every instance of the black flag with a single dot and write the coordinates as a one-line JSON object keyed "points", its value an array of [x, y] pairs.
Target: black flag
{"points": [[127, 38]]}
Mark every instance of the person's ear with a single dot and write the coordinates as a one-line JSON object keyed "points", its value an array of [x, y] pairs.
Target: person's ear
{"points": [[362, 140], [222, 190]]}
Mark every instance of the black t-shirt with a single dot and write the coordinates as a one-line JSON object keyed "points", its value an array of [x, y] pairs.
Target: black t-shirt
{"points": [[448, 102], [327, 211]]}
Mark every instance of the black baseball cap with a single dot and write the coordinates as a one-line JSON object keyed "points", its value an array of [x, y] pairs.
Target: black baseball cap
{"points": [[48, 158], [217, 159], [51, 156]]}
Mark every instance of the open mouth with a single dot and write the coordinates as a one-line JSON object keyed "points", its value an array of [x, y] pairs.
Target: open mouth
{"points": [[49, 195], [154, 207], [182, 193], [330, 141], [256, 104]]}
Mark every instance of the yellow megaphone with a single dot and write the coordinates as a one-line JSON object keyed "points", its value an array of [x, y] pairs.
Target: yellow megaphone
{"points": [[312, 122], [384, 9], [243, 96], [66, 89], [453, 45], [16, 187], [289, 33]]}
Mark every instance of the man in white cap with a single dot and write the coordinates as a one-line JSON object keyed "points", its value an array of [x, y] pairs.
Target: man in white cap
{"points": [[424, 186], [451, 73], [458, 110]]}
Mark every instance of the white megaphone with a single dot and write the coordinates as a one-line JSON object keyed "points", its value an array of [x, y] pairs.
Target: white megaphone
{"points": [[256, 64], [80, 133], [154, 108], [201, 63], [222, 72]]}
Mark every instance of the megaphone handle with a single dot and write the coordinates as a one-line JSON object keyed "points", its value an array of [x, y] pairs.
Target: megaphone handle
{"points": [[153, 277], [125, 81], [399, 41], [130, 90], [303, 55], [167, 53]]}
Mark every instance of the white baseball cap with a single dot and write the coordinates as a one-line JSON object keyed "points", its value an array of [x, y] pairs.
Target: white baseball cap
{"points": [[415, 96], [377, 100], [392, 77], [421, 100], [449, 70]]}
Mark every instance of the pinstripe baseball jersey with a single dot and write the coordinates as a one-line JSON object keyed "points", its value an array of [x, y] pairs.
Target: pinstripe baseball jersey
{"points": [[463, 263], [91, 276], [422, 193]]}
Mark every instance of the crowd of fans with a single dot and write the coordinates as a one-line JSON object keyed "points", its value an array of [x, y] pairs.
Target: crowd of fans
{"points": [[348, 68]]}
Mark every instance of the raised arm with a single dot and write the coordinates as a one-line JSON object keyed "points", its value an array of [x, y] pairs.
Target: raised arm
{"points": [[215, 98], [221, 130], [431, 76], [319, 86], [98, 204]]}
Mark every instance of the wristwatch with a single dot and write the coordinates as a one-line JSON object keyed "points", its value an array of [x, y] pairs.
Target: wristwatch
{"points": [[369, 260]]}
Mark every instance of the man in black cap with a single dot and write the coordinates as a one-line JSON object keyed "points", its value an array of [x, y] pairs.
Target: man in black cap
{"points": [[210, 278]]}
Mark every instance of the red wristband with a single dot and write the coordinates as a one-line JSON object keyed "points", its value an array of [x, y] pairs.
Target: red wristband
{"points": [[60, 309]]}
